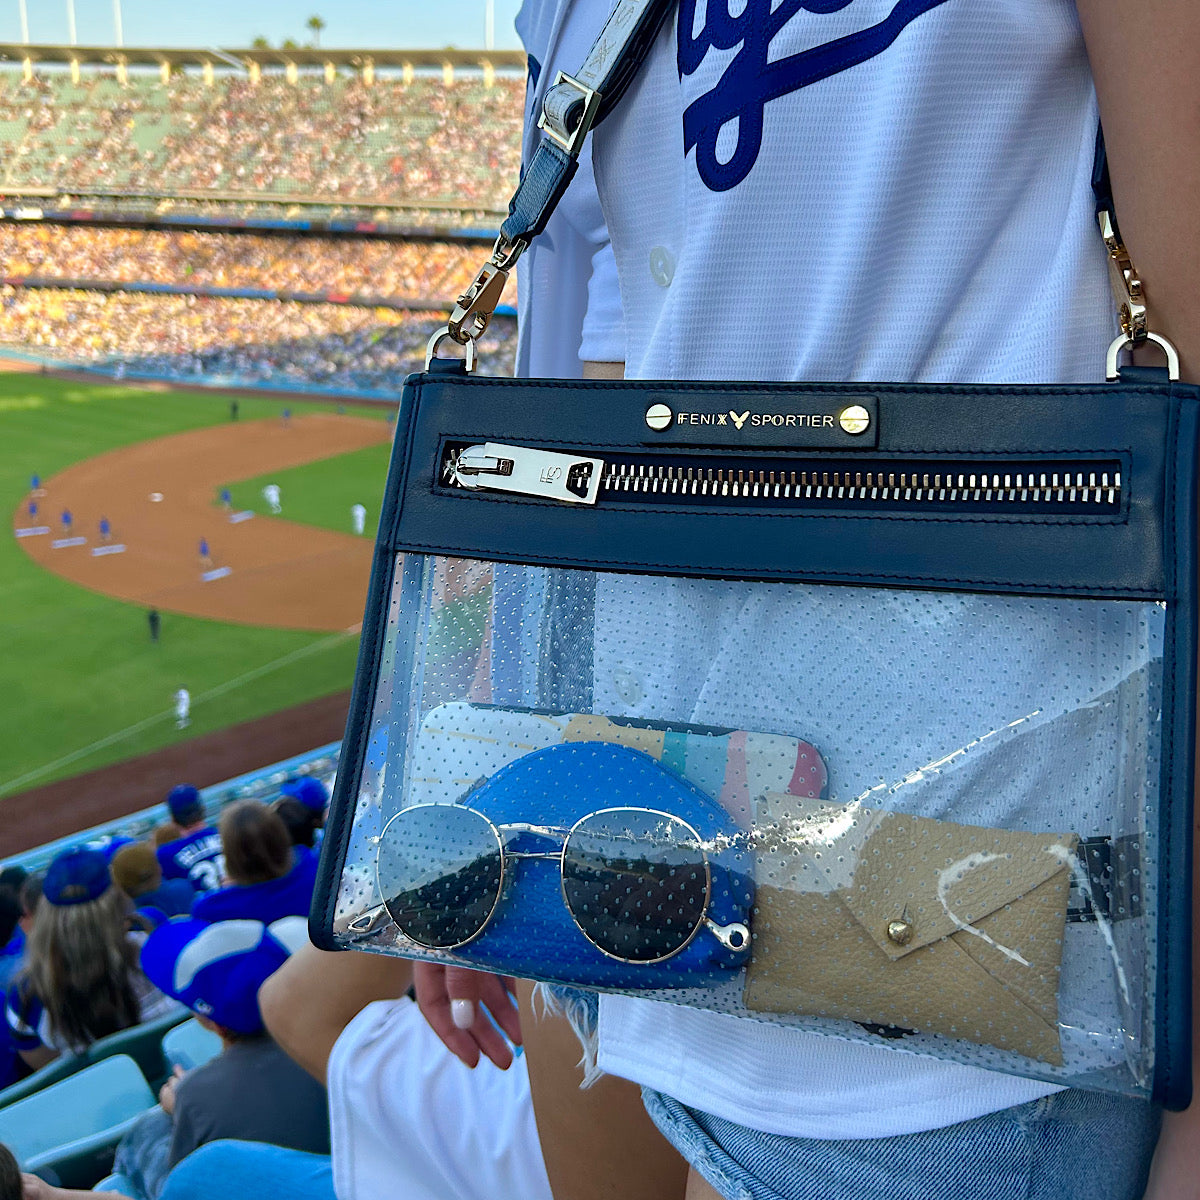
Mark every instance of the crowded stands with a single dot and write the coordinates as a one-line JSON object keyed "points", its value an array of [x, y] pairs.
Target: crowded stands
{"points": [[391, 141], [410, 271], [334, 140], [184, 338], [270, 1060]]}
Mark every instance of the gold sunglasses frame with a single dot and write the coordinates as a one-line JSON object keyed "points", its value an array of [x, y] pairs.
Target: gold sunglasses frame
{"points": [[734, 936]]}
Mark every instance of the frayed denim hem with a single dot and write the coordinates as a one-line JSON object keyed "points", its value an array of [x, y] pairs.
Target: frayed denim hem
{"points": [[582, 1011]]}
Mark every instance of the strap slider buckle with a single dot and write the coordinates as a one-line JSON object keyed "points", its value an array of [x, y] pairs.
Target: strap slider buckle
{"points": [[568, 111]]}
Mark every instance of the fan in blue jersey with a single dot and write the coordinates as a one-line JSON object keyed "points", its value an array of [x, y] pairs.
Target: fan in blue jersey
{"points": [[197, 855], [269, 879]]}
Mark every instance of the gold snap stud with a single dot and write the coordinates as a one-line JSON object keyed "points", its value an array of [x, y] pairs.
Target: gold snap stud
{"points": [[900, 932], [854, 419]]}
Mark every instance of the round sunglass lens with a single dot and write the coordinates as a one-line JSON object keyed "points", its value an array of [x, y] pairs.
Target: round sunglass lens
{"points": [[636, 883], [440, 871]]}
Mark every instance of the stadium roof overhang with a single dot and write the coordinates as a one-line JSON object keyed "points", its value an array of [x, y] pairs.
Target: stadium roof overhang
{"points": [[223, 58]]}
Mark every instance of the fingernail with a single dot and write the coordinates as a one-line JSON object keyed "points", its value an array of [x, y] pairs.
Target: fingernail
{"points": [[462, 1013]]}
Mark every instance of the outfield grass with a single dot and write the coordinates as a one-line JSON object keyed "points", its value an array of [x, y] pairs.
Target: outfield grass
{"points": [[322, 493], [82, 685]]}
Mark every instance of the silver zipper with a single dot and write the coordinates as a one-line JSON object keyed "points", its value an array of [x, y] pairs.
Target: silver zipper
{"points": [[1094, 486], [493, 466]]}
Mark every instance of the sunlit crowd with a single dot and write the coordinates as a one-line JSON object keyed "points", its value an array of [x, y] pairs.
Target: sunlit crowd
{"points": [[391, 141], [428, 271]]}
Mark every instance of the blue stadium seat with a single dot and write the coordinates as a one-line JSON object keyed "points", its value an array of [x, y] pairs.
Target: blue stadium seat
{"points": [[72, 1127], [190, 1045], [52, 1072], [142, 1043], [116, 1183]]}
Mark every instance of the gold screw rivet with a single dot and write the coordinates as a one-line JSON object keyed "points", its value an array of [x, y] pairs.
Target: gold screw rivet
{"points": [[900, 932], [854, 419], [659, 416]]}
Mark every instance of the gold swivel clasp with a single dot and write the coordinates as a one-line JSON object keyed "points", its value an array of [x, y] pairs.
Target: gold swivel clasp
{"points": [[1131, 303]]}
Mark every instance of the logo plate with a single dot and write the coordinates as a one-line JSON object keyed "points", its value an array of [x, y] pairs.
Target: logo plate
{"points": [[805, 422]]}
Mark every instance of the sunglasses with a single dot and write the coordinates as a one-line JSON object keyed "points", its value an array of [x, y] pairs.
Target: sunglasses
{"points": [[635, 881]]}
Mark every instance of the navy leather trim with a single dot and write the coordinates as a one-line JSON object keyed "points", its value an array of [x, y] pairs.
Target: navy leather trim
{"points": [[352, 758], [1158, 427], [1074, 556], [1128, 373], [545, 180], [1172, 1083]]}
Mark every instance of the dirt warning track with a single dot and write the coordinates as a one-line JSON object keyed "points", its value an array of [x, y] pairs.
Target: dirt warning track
{"points": [[160, 499]]}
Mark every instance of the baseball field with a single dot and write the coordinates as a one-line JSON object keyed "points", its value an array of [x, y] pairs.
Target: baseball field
{"points": [[265, 622]]}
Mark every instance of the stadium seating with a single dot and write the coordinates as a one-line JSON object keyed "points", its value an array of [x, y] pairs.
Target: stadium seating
{"points": [[52, 1072], [344, 141], [248, 343], [72, 1127], [190, 1045], [413, 272], [141, 1043]]}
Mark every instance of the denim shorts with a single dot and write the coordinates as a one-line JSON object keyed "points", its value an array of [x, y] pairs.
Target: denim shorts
{"points": [[1070, 1145]]}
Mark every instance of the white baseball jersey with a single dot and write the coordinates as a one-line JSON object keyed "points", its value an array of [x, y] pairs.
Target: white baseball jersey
{"points": [[834, 190]]}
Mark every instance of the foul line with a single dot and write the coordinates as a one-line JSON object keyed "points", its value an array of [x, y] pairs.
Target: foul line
{"points": [[169, 714]]}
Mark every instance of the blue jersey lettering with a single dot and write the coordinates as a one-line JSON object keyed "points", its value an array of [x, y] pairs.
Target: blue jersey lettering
{"points": [[750, 81]]}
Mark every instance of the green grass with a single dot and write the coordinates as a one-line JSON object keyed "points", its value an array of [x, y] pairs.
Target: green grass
{"points": [[321, 493], [82, 685]]}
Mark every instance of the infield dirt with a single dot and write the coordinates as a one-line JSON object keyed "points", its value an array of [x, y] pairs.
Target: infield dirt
{"points": [[160, 498]]}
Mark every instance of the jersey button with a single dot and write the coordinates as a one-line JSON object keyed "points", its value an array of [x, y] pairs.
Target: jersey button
{"points": [[662, 266]]}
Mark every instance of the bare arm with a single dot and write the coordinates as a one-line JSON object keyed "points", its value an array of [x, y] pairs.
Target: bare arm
{"points": [[1145, 57], [309, 1001], [33, 1188]]}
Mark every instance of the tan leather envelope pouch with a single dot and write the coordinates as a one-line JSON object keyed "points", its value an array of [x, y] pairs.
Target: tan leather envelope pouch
{"points": [[897, 920]]}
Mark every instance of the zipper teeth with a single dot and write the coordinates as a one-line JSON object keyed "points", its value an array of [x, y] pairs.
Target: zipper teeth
{"points": [[952, 486]]}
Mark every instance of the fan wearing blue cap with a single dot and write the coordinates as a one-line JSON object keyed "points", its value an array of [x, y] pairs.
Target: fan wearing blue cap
{"points": [[314, 795], [81, 979], [196, 856], [251, 1090]]}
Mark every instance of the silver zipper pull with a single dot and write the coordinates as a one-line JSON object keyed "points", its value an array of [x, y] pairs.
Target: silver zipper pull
{"points": [[544, 473]]}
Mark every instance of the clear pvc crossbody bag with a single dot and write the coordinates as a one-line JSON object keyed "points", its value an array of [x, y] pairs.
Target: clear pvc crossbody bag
{"points": [[868, 709]]}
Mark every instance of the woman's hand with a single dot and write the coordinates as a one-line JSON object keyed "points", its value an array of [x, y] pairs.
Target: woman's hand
{"points": [[456, 1003]]}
